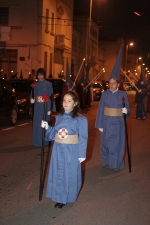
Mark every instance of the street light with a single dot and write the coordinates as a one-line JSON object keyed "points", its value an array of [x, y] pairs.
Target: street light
{"points": [[127, 46]]}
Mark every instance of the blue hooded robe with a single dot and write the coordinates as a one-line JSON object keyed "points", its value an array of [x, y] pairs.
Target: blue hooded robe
{"points": [[64, 178], [113, 136], [141, 99], [41, 88]]}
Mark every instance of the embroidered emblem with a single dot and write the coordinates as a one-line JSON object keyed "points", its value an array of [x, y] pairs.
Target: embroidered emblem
{"points": [[63, 133]]}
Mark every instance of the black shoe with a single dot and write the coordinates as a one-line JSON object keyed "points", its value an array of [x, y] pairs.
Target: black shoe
{"points": [[59, 205], [143, 118]]}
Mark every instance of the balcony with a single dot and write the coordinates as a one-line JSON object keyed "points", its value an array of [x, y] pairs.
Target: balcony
{"points": [[62, 43], [5, 33]]}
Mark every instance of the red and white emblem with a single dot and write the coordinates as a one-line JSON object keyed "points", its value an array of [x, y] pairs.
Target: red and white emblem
{"points": [[63, 133]]}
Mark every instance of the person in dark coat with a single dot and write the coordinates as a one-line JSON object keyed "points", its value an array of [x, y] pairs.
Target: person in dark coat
{"points": [[70, 135], [148, 101], [110, 121], [41, 88], [141, 97]]}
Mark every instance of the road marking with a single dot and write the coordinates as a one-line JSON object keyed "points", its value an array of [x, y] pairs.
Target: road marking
{"points": [[29, 185], [10, 128], [22, 124]]}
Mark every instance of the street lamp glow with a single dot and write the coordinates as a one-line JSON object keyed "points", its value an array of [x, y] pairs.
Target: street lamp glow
{"points": [[140, 58], [127, 46], [143, 64], [131, 44]]}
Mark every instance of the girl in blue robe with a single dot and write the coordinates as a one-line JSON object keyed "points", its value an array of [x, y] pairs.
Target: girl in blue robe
{"points": [[112, 126], [70, 135]]}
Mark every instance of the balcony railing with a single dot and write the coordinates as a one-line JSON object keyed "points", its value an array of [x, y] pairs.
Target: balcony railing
{"points": [[62, 43]]}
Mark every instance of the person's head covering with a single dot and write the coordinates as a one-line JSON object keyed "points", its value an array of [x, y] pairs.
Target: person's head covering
{"points": [[115, 74], [142, 75]]}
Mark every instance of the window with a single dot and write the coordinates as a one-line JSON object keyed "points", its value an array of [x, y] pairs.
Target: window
{"points": [[52, 24], [4, 13], [45, 62], [47, 21], [51, 63]]}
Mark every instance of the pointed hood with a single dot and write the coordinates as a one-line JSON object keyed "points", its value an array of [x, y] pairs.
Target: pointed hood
{"points": [[142, 75], [115, 74]]}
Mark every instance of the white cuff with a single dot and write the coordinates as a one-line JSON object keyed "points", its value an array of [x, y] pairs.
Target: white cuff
{"points": [[100, 129], [32, 100], [81, 160]]}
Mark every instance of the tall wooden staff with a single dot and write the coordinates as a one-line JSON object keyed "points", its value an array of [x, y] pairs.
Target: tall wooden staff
{"points": [[45, 98], [78, 73], [95, 78], [130, 81], [126, 134], [134, 77]]}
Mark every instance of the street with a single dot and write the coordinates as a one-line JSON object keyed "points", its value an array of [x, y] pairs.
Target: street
{"points": [[107, 197]]}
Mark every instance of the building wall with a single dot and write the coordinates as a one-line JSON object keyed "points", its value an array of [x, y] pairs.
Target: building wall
{"points": [[33, 29], [88, 44], [23, 20], [108, 52]]}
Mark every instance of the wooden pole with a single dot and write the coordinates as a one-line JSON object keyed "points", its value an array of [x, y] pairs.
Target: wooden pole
{"points": [[129, 79], [95, 78]]}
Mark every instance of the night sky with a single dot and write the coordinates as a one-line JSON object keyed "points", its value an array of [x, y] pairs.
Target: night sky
{"points": [[117, 20]]}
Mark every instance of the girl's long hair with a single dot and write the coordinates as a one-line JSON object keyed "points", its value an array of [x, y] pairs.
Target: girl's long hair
{"points": [[76, 108]]}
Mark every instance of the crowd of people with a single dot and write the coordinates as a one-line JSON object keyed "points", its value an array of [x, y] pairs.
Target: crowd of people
{"points": [[70, 134]]}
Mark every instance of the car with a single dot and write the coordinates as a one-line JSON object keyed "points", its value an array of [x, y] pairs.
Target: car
{"points": [[127, 86], [8, 106], [58, 85], [105, 84], [97, 91], [23, 90]]}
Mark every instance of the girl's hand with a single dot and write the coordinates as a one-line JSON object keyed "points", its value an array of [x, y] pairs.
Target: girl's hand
{"points": [[44, 124]]}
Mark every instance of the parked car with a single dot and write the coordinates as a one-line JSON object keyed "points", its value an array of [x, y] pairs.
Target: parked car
{"points": [[23, 90], [105, 84], [97, 91], [8, 106], [58, 84], [127, 86]]}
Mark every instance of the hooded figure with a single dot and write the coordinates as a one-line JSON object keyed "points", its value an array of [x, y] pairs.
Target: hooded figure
{"points": [[41, 88], [110, 121], [141, 97]]}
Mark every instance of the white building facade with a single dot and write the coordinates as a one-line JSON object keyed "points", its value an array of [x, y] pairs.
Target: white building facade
{"points": [[35, 34]]}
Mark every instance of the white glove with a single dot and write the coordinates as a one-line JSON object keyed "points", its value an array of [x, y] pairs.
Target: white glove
{"points": [[81, 160], [49, 113], [44, 124], [124, 110], [32, 100], [100, 129]]}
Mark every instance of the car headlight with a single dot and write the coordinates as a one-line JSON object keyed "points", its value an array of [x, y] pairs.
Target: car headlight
{"points": [[20, 101]]}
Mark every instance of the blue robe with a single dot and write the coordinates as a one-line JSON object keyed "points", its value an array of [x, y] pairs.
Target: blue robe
{"points": [[141, 100], [64, 178], [113, 136], [41, 88]]}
